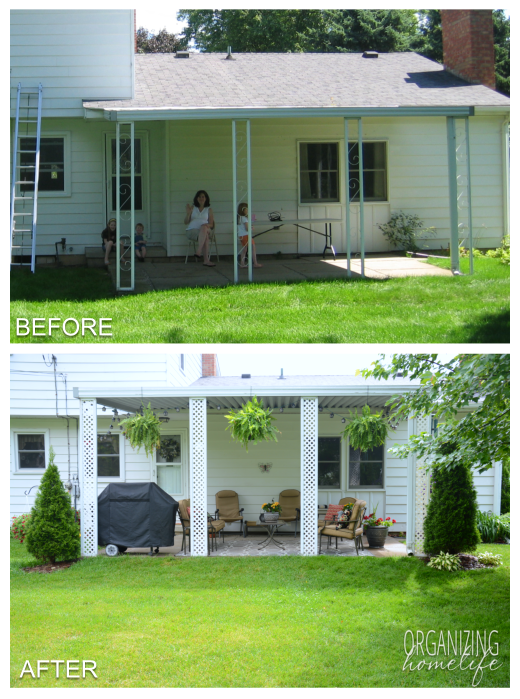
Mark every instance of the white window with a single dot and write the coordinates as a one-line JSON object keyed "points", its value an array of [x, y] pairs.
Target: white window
{"points": [[55, 164], [319, 173], [365, 468], [110, 448], [329, 463], [30, 450]]}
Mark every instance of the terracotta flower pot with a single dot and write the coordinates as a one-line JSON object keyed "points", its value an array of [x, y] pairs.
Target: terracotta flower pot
{"points": [[376, 537]]}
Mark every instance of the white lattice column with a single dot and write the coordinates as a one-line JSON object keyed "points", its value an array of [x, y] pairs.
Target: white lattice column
{"points": [[198, 477], [88, 477], [309, 474], [422, 488]]}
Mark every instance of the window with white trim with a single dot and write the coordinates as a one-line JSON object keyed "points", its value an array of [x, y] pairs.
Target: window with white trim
{"points": [[110, 463], [329, 463], [319, 173], [365, 468], [30, 451], [55, 168]]}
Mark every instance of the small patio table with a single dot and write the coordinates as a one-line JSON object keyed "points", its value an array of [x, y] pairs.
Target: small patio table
{"points": [[271, 528], [276, 225]]}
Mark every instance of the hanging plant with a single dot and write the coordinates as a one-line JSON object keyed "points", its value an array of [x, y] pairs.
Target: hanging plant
{"points": [[367, 430], [252, 423], [143, 430]]}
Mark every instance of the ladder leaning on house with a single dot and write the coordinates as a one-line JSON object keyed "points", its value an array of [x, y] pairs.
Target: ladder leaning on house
{"points": [[26, 165]]}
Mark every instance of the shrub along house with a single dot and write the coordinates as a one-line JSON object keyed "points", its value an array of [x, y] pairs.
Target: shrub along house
{"points": [[76, 404], [135, 136]]}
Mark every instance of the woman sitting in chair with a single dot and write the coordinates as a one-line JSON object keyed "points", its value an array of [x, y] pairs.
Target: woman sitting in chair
{"points": [[199, 218]]}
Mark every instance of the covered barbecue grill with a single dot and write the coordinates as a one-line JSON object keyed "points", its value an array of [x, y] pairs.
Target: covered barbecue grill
{"points": [[135, 515]]}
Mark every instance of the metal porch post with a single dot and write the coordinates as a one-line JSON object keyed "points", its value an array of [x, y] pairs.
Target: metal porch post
{"points": [[88, 476], [410, 494], [309, 476], [347, 197], [198, 477], [421, 487], [470, 217], [361, 197], [241, 145], [125, 161], [452, 182]]}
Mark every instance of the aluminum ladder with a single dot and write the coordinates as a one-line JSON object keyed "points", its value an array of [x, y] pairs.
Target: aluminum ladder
{"points": [[26, 165]]}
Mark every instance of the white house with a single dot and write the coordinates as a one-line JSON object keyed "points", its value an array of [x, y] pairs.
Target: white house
{"points": [[74, 403], [135, 136]]}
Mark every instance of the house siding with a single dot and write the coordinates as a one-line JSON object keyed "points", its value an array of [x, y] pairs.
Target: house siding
{"points": [[35, 393], [417, 178], [231, 467], [74, 54]]}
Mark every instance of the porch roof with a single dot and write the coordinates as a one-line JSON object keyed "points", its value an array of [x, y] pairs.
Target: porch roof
{"points": [[285, 81], [333, 393]]}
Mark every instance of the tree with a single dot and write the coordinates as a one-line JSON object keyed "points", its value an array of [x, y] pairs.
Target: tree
{"points": [[163, 42], [450, 524], [501, 31], [252, 30], [361, 30], [476, 384], [52, 533], [505, 496]]}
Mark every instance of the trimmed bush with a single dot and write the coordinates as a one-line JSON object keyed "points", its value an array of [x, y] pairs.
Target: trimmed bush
{"points": [[52, 533], [505, 492], [451, 517]]}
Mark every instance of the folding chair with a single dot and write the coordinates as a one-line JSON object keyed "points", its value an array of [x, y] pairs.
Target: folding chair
{"points": [[192, 245]]}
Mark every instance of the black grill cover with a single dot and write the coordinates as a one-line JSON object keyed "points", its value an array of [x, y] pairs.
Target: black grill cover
{"points": [[136, 515]]}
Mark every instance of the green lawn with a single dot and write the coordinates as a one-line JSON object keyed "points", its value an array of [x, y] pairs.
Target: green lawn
{"points": [[251, 622], [414, 309]]}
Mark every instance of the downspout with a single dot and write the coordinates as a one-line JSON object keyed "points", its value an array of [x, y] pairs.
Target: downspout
{"points": [[505, 174]]}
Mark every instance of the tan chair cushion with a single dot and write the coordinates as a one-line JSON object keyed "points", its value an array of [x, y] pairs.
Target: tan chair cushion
{"points": [[358, 505], [341, 533], [183, 509], [226, 502], [289, 500]]}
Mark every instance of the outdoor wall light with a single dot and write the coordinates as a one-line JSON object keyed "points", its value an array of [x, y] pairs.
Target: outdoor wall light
{"points": [[218, 407], [320, 409], [104, 409], [177, 410], [343, 420], [331, 415]]}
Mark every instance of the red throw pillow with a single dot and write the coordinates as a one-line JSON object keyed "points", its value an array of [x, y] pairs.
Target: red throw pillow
{"points": [[332, 511]]}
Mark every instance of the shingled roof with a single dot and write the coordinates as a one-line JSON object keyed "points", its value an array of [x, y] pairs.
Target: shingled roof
{"points": [[284, 80]]}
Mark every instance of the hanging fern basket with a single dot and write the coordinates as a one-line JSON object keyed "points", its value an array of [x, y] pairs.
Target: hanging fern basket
{"points": [[143, 430], [252, 424], [367, 430]]}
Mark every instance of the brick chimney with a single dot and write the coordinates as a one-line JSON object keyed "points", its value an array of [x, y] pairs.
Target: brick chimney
{"points": [[209, 365], [467, 43]]}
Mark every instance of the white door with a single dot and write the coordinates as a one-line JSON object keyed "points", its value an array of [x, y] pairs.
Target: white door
{"points": [[141, 195], [171, 464]]}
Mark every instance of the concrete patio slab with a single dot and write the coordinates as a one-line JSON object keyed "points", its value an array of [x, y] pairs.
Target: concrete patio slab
{"points": [[235, 545], [161, 274]]}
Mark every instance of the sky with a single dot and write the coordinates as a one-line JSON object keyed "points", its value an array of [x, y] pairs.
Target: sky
{"points": [[295, 362]]}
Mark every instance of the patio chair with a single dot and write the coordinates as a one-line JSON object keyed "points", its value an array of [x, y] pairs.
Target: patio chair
{"points": [[290, 503], [227, 505], [192, 245], [354, 530], [214, 526]]}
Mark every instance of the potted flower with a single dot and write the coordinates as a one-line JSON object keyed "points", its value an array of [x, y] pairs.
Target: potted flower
{"points": [[143, 430], [377, 529], [271, 511], [367, 430], [252, 423]]}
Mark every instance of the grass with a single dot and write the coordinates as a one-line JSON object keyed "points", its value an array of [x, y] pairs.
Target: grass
{"points": [[250, 622], [413, 309]]}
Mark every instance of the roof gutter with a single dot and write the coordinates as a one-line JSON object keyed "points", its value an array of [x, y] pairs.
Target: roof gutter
{"points": [[100, 392], [160, 114]]}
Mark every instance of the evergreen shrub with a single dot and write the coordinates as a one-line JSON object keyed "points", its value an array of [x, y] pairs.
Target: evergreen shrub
{"points": [[52, 533], [505, 494], [450, 524]]}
